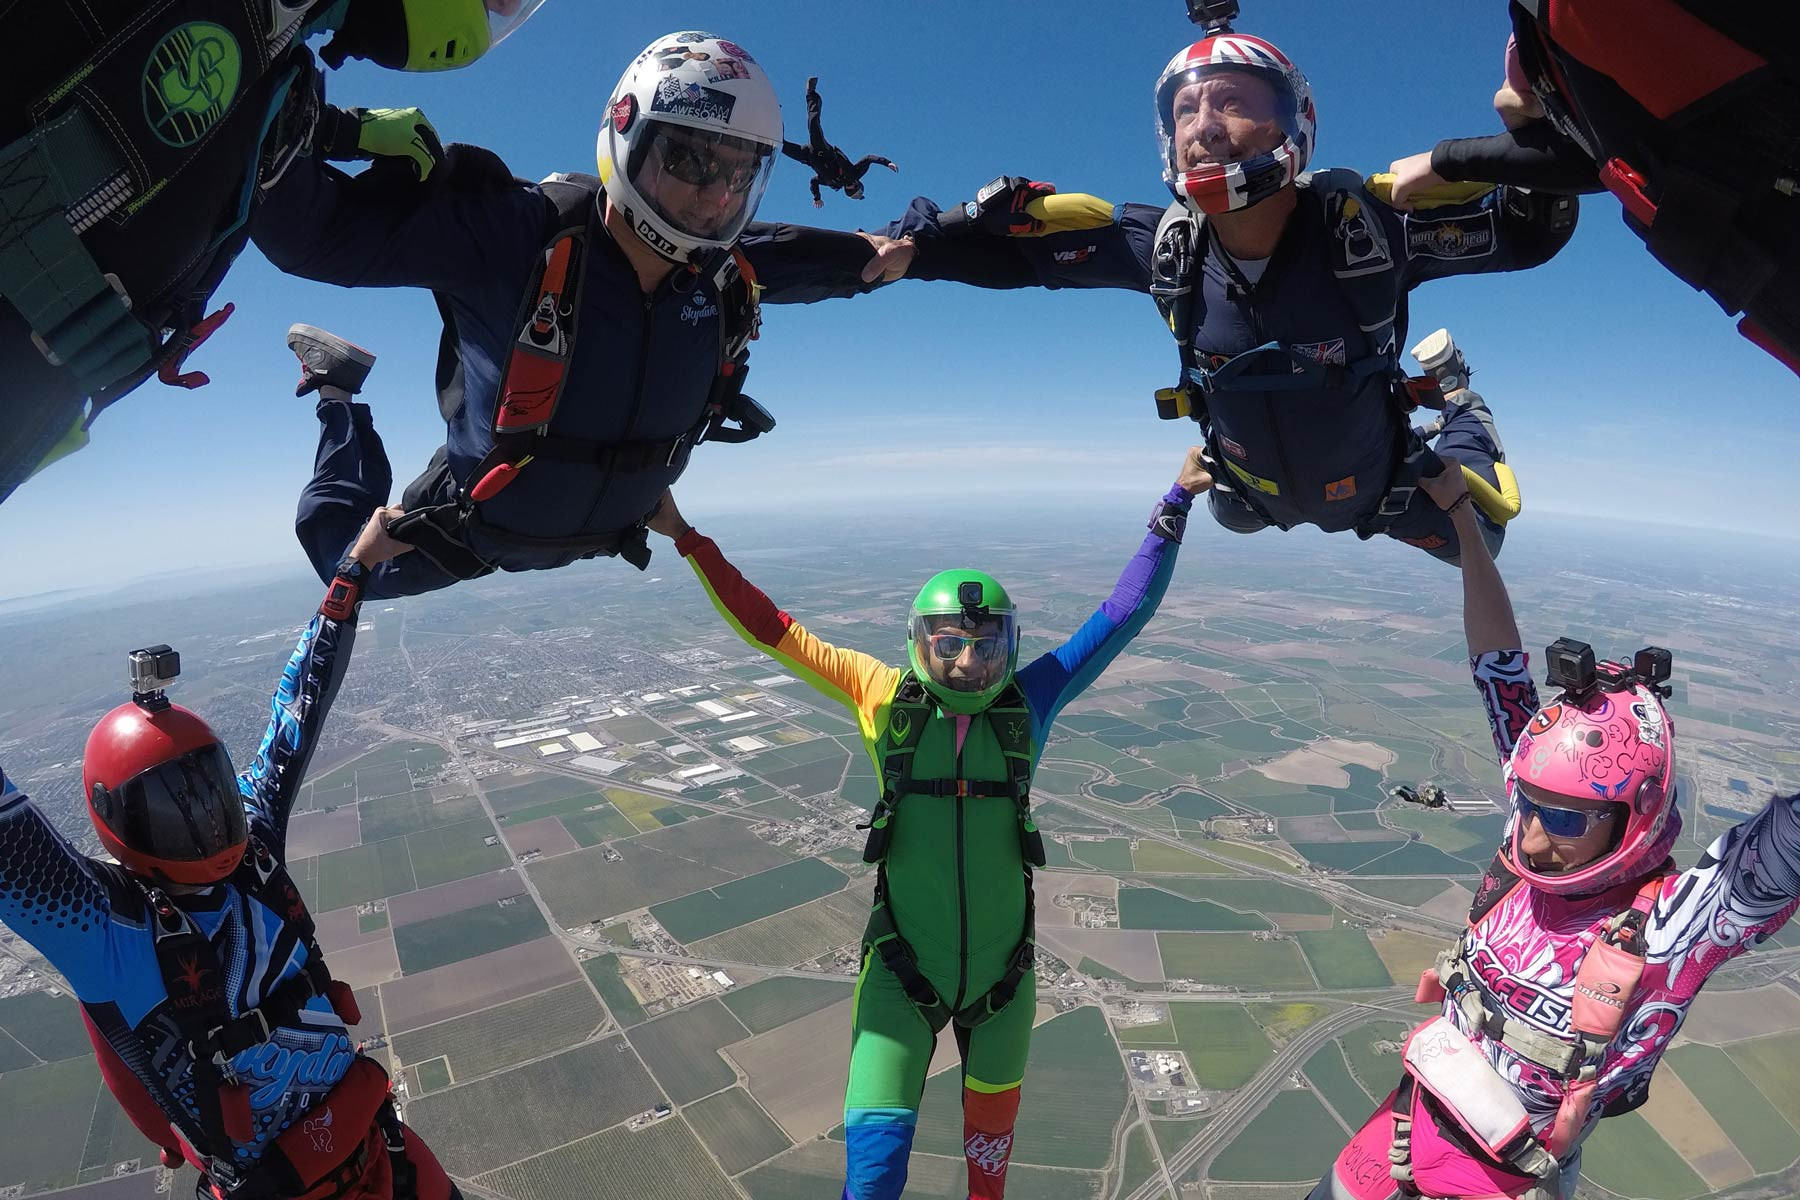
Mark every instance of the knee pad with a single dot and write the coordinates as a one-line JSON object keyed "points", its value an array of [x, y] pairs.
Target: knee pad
{"points": [[1229, 510]]}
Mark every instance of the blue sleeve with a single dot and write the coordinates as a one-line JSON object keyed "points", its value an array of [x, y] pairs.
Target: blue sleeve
{"points": [[1054, 679], [309, 683], [798, 264], [51, 895], [1093, 245], [1507, 229], [379, 230]]}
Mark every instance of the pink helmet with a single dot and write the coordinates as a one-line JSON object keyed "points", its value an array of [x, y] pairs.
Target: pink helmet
{"points": [[1616, 745], [1216, 187]]}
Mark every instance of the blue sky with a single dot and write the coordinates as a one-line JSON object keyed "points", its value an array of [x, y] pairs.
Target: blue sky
{"points": [[1619, 391]]}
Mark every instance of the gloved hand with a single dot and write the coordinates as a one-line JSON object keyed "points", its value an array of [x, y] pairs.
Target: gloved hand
{"points": [[371, 133], [999, 209]]}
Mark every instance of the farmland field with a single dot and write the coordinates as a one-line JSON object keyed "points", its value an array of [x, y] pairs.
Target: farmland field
{"points": [[454, 852], [736, 1129], [662, 1162], [774, 1002], [1224, 1044], [796, 936], [729, 905], [1148, 908], [45, 1112], [1765, 1137], [48, 1026], [1625, 1156], [470, 933], [682, 1049], [1294, 1139], [497, 1038], [1343, 958], [604, 971], [1234, 960]]}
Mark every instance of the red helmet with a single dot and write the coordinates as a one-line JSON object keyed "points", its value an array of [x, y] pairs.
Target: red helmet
{"points": [[1214, 186], [163, 796]]}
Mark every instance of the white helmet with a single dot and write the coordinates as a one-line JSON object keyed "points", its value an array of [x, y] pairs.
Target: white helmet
{"points": [[691, 135]]}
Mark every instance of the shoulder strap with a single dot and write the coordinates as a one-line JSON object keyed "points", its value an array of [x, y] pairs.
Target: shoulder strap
{"points": [[908, 712], [1175, 267], [1362, 262]]}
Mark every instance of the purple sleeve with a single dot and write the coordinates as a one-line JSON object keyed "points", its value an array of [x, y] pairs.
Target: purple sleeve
{"points": [[1503, 677]]}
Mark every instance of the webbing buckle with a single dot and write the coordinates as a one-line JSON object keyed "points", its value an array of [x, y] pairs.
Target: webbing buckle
{"points": [[1396, 501], [50, 355], [212, 1035]]}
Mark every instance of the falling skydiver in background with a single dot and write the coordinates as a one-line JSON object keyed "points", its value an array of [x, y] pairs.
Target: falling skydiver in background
{"points": [[832, 168]]}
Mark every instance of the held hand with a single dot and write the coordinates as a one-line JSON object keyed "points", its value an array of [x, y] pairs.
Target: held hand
{"points": [[375, 545], [1447, 488], [1517, 106], [1194, 477], [400, 133], [1412, 175], [892, 259], [667, 519]]}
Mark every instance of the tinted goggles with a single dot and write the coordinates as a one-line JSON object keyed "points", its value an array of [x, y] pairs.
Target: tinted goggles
{"points": [[988, 648], [1563, 822], [701, 166]]}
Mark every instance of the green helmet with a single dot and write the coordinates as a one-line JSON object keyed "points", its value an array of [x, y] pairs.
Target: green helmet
{"points": [[963, 639], [442, 35]]}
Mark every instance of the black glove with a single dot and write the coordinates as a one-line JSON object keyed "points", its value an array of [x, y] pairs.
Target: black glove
{"points": [[998, 209]]}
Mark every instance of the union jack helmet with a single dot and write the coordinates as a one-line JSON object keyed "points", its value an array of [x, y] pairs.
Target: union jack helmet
{"points": [[1207, 186]]}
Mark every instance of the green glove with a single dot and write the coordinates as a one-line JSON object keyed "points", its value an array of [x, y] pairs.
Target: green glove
{"points": [[398, 133]]}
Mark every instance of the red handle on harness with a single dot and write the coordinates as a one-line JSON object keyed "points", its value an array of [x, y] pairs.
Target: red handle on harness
{"points": [[169, 372], [490, 485], [343, 1002], [234, 1107]]}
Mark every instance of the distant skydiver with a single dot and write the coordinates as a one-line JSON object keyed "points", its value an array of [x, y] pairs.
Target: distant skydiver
{"points": [[954, 736], [1688, 113], [216, 1023], [1287, 293], [832, 168], [596, 329], [135, 139], [1586, 947]]}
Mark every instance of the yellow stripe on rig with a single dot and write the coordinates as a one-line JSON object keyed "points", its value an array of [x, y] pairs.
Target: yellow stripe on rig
{"points": [[1501, 504], [1442, 195], [1069, 212]]}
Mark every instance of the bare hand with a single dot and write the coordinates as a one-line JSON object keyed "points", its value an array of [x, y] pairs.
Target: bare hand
{"points": [[667, 519], [1194, 477], [1447, 486], [893, 258], [1517, 107], [375, 545], [1412, 174]]}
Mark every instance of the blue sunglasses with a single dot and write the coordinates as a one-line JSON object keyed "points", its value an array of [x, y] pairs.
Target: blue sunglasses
{"points": [[1563, 822]]}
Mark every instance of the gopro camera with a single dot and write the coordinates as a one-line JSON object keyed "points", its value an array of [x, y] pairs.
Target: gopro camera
{"points": [[968, 594], [1570, 666], [1573, 669], [152, 669], [1215, 16]]}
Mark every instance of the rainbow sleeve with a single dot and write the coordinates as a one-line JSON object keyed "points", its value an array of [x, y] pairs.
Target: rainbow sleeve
{"points": [[860, 681]]}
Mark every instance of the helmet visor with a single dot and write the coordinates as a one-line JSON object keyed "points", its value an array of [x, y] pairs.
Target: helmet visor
{"points": [[965, 653], [1214, 114], [702, 183], [185, 810], [505, 16]]}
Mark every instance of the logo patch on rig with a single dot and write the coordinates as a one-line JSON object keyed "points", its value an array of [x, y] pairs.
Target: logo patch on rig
{"points": [[190, 81]]}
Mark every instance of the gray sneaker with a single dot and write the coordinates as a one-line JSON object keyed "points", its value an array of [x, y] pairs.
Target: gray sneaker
{"points": [[326, 358]]}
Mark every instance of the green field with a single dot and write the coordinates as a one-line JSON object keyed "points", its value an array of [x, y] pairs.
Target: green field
{"points": [[645, 812], [520, 801], [478, 1126], [1074, 1095], [1343, 958], [601, 825], [1140, 1160], [1626, 1156], [496, 1038], [604, 972], [1766, 1138], [1294, 1139], [1251, 895], [1112, 855], [776, 1001], [1328, 1072], [45, 1112], [1416, 858], [1224, 1044], [661, 1162], [433, 1075], [1196, 807], [47, 1026], [736, 1129], [372, 922], [1251, 855], [468, 934], [682, 1049], [741, 901], [1234, 960], [418, 756], [1773, 1065], [1378, 1073], [796, 936], [1281, 1020], [1344, 856], [1154, 857], [1148, 908], [410, 812], [455, 852], [1160, 1033], [361, 874], [1409, 893]]}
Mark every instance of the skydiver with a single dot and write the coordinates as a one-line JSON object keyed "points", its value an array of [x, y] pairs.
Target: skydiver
{"points": [[1287, 292], [565, 424], [201, 984], [1689, 114], [832, 168], [1583, 910], [957, 734], [124, 198]]}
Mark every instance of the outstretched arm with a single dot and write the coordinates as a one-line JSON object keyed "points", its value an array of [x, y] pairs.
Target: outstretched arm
{"points": [[309, 684], [1052, 680], [859, 681], [50, 894]]}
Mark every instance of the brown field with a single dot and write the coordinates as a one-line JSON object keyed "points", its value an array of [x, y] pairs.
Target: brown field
{"points": [[368, 965], [1405, 954], [1130, 952], [1049, 884], [340, 929], [798, 1072], [1452, 905], [460, 988], [1732, 1016], [546, 834], [1300, 922], [1677, 1114], [447, 898], [1322, 763], [314, 833]]}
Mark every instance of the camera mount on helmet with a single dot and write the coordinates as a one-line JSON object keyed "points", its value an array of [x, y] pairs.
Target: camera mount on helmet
{"points": [[1214, 16], [1570, 666], [152, 669]]}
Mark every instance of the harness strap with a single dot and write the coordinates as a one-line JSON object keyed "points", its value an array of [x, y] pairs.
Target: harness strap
{"points": [[393, 1134], [883, 937]]}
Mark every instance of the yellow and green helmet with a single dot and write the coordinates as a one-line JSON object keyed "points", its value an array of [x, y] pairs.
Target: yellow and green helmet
{"points": [[962, 638], [442, 35]]}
